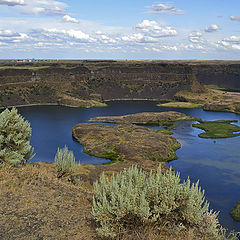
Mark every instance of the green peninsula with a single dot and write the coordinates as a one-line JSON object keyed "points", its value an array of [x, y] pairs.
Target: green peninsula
{"points": [[218, 129]]}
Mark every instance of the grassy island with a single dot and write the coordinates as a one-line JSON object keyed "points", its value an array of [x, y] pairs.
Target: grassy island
{"points": [[235, 213], [126, 142], [218, 129]]}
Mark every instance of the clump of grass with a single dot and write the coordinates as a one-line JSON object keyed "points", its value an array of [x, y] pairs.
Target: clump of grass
{"points": [[134, 200], [235, 213], [64, 162]]}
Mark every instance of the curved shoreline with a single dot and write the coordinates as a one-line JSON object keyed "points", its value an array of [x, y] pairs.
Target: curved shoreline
{"points": [[31, 104], [133, 99], [109, 100], [42, 104], [66, 105]]}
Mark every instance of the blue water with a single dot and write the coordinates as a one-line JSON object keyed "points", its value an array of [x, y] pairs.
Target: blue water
{"points": [[215, 164]]}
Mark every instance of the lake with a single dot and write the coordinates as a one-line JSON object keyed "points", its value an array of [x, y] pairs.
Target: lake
{"points": [[215, 164]]}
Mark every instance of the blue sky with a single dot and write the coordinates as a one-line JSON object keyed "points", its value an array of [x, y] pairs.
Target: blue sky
{"points": [[107, 29]]}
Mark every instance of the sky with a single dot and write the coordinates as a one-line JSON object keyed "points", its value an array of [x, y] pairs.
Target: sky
{"points": [[126, 29]]}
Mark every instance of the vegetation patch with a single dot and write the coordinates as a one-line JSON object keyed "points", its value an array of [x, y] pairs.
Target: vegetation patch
{"points": [[212, 99], [147, 118], [135, 200], [218, 129], [180, 105], [77, 102], [235, 213], [64, 162]]}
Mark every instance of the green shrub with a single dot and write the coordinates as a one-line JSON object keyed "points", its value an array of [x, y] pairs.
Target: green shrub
{"points": [[64, 162], [15, 134], [134, 199]]}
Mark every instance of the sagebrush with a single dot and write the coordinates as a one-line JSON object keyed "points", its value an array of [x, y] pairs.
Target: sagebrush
{"points": [[15, 133], [64, 162], [134, 199]]}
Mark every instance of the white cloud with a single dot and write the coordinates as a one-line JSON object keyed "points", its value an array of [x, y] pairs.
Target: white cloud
{"points": [[193, 47], [165, 9], [42, 7], [49, 45], [235, 46], [235, 18], [138, 38], [8, 36], [233, 42], [106, 39], [212, 28], [12, 2], [195, 37], [163, 47], [149, 32], [154, 29], [62, 35], [6, 33], [77, 34], [68, 18], [233, 39]]}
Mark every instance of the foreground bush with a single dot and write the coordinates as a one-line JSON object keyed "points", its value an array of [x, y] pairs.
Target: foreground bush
{"points": [[64, 162], [15, 134], [133, 200]]}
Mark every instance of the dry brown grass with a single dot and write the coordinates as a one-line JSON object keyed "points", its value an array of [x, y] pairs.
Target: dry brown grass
{"points": [[36, 205]]}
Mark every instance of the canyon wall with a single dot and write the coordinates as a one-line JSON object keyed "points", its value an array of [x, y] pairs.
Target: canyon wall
{"points": [[50, 81]]}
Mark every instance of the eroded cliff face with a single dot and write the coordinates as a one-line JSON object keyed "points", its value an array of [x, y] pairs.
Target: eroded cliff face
{"points": [[223, 74], [48, 82]]}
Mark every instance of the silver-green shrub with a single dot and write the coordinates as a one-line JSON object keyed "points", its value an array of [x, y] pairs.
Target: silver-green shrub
{"points": [[15, 133], [134, 198], [64, 162]]}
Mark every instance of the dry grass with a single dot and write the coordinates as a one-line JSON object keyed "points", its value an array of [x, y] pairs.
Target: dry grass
{"points": [[180, 105], [36, 205]]}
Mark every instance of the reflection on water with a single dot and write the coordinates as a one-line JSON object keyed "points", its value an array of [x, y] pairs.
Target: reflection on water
{"points": [[216, 164]]}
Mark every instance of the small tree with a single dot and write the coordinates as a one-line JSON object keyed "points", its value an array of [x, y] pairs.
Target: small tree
{"points": [[64, 162], [15, 133]]}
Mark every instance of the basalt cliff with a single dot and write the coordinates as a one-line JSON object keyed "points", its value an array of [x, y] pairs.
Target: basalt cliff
{"points": [[88, 82]]}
